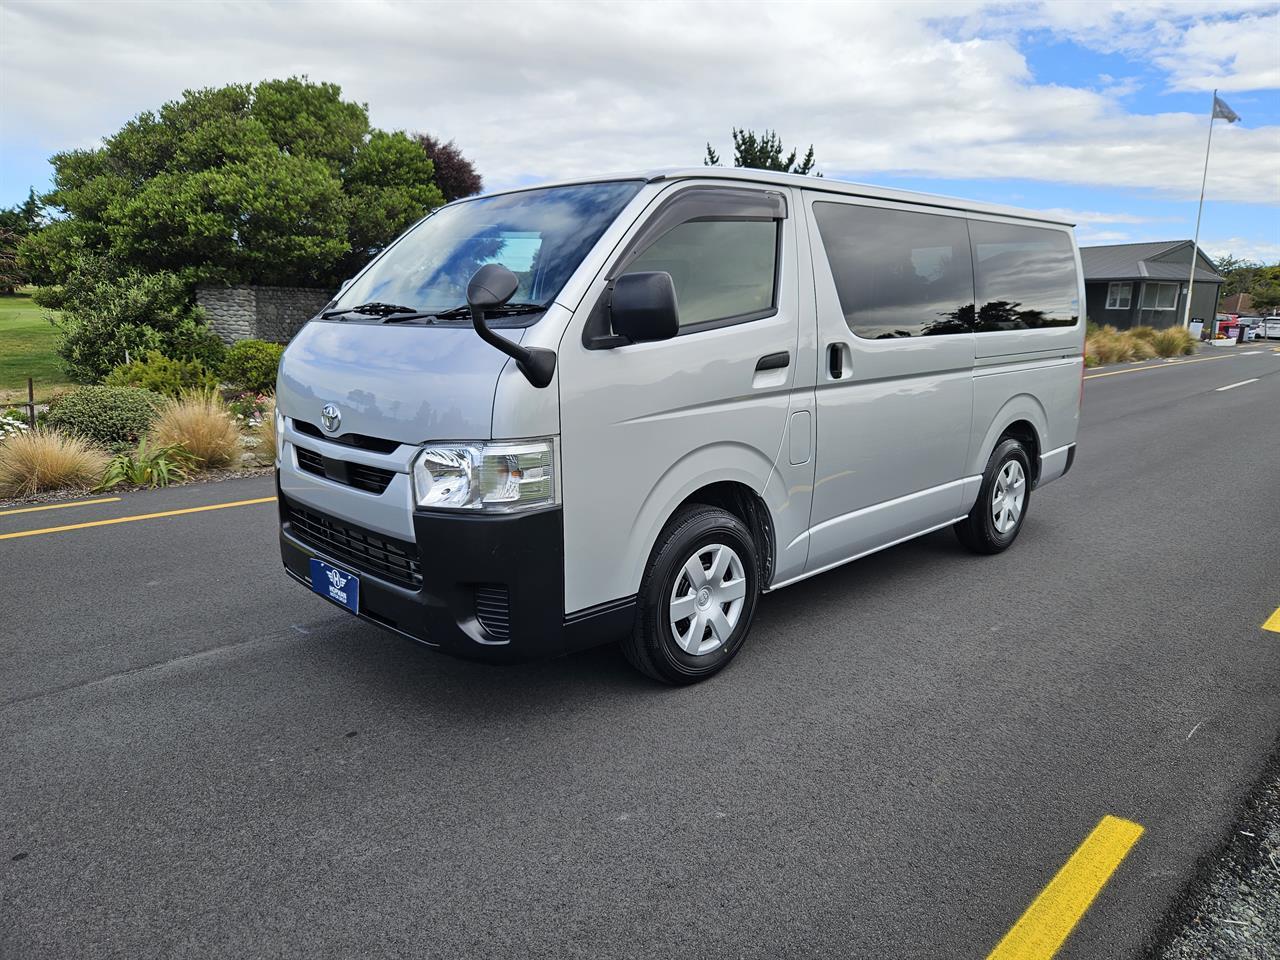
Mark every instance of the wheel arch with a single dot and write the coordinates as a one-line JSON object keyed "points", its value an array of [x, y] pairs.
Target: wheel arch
{"points": [[731, 476], [749, 507], [1023, 418]]}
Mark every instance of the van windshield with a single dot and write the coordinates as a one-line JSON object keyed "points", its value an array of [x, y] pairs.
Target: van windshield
{"points": [[539, 235]]}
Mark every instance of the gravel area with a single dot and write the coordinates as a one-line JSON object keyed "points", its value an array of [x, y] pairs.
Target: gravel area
{"points": [[1232, 909]]}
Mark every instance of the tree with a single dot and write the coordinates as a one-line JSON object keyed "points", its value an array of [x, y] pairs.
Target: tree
{"points": [[1260, 282], [1266, 289], [281, 182], [763, 152], [16, 223], [11, 275], [455, 175]]}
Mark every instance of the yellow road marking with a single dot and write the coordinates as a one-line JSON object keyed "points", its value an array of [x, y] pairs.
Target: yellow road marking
{"points": [[57, 506], [1155, 366], [1273, 622], [142, 516], [1041, 931]]}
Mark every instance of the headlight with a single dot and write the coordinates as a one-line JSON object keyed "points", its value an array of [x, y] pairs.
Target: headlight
{"points": [[493, 477]]}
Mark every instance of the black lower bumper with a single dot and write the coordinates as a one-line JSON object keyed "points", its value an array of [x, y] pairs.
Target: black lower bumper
{"points": [[484, 587]]}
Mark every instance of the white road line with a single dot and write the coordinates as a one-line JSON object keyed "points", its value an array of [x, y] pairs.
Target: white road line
{"points": [[1251, 353], [1232, 386]]}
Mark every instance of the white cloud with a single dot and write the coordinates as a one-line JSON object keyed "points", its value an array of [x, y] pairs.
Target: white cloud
{"points": [[1098, 216], [1247, 248], [1241, 54], [563, 89]]}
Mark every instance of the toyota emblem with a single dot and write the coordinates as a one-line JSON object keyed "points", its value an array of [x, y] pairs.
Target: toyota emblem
{"points": [[331, 417]]}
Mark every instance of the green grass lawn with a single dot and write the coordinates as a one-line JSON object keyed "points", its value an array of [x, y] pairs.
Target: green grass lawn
{"points": [[26, 350]]}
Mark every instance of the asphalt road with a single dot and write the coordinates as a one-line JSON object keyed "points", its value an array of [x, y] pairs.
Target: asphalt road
{"points": [[198, 758]]}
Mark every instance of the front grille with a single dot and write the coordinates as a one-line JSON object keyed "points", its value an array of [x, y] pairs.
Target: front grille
{"points": [[359, 440], [310, 461], [370, 479], [493, 609], [363, 550]]}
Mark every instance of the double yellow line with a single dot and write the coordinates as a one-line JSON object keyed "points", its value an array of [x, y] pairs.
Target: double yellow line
{"points": [[115, 520]]}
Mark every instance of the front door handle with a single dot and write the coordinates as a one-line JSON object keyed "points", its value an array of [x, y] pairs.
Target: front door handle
{"points": [[835, 360], [774, 361]]}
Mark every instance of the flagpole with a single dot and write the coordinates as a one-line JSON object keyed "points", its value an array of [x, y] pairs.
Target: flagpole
{"points": [[1195, 244]]}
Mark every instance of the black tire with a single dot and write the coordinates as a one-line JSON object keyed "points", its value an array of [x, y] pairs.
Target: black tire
{"points": [[652, 647], [978, 531]]}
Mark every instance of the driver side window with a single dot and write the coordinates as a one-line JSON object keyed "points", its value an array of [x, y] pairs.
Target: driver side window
{"points": [[722, 269]]}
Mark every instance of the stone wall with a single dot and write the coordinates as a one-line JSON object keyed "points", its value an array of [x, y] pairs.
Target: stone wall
{"points": [[260, 313]]}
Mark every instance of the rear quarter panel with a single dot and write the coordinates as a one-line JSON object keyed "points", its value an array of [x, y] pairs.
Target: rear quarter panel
{"points": [[1030, 375]]}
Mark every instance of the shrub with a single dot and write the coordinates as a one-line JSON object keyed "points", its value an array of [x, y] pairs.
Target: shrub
{"points": [[160, 374], [1173, 342], [146, 467], [1142, 349], [252, 365], [249, 406], [107, 415], [201, 424], [12, 423], [47, 460], [110, 314], [1105, 345]]}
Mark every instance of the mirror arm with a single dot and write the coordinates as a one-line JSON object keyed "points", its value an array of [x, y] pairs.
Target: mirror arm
{"points": [[538, 364]]}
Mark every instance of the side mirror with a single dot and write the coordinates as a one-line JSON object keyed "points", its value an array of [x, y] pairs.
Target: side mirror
{"points": [[491, 286], [643, 307]]}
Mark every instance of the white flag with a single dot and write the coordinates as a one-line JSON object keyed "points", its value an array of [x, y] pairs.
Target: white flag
{"points": [[1222, 112]]}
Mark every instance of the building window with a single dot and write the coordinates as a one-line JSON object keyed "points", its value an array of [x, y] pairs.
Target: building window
{"points": [[1160, 296], [1119, 296]]}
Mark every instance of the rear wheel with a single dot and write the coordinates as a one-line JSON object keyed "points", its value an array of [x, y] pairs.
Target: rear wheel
{"points": [[994, 521], [697, 598]]}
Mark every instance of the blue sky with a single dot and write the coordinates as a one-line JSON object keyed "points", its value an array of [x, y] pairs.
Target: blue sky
{"points": [[1096, 109]]}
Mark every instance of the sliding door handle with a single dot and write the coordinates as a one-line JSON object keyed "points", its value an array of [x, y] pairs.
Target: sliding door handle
{"points": [[774, 361], [835, 360]]}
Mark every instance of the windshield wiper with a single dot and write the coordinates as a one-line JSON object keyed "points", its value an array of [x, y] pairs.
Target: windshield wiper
{"points": [[506, 310], [374, 309]]}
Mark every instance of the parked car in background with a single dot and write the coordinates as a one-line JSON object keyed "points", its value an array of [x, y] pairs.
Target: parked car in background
{"points": [[1252, 327], [1269, 328]]}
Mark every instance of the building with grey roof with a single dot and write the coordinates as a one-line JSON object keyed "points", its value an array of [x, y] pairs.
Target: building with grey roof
{"points": [[1130, 284]]}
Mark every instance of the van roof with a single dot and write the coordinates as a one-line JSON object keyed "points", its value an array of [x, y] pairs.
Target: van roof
{"points": [[821, 184]]}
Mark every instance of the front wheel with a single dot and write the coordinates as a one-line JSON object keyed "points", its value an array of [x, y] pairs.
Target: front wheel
{"points": [[994, 521], [697, 597]]}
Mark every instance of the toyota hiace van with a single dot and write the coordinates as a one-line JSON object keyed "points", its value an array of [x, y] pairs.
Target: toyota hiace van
{"points": [[621, 409]]}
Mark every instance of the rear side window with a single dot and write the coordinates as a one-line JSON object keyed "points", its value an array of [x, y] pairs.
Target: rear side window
{"points": [[898, 273], [1026, 277], [721, 269]]}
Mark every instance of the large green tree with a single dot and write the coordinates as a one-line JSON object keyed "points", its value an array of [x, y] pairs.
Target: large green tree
{"points": [[763, 151], [282, 182]]}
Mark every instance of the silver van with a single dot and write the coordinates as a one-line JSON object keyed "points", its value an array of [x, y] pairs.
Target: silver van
{"points": [[623, 408]]}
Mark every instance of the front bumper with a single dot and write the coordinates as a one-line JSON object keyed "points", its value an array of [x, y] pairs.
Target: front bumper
{"points": [[491, 586]]}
